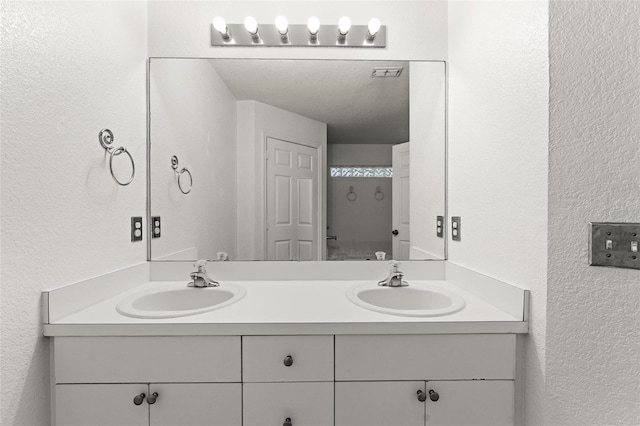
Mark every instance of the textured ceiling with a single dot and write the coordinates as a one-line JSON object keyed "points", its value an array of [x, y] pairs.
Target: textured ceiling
{"points": [[357, 108]]}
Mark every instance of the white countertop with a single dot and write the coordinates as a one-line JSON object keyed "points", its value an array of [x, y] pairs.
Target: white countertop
{"points": [[288, 307]]}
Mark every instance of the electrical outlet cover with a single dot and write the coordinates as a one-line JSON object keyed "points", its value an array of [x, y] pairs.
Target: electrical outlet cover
{"points": [[136, 228]]}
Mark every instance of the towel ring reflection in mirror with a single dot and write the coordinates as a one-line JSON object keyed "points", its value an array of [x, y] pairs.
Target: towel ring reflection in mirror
{"points": [[106, 140], [379, 194], [351, 196], [174, 166]]}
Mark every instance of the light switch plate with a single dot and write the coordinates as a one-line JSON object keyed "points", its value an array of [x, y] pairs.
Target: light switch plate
{"points": [[456, 230], [156, 228], [440, 226], [136, 228], [614, 244]]}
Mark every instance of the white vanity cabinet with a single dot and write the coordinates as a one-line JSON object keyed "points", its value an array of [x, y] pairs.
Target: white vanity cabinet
{"points": [[147, 380], [288, 380], [320, 380], [425, 380]]}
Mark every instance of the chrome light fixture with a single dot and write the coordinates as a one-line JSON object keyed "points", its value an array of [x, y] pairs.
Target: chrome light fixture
{"points": [[283, 34], [251, 25], [344, 25], [221, 26], [372, 29], [282, 25], [313, 25]]}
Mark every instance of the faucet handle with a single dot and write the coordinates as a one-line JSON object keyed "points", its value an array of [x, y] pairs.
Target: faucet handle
{"points": [[394, 265], [201, 265]]}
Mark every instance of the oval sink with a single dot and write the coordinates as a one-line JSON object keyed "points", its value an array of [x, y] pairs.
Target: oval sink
{"points": [[416, 300], [178, 300]]}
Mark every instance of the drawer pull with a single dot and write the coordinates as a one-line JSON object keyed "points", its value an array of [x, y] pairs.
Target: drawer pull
{"points": [[152, 398], [288, 361], [422, 397], [287, 422], [433, 395], [137, 400]]}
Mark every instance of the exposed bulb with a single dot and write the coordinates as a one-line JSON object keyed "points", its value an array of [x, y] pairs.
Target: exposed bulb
{"points": [[344, 25], [313, 25], [220, 24], [251, 25], [374, 26], [282, 25]]}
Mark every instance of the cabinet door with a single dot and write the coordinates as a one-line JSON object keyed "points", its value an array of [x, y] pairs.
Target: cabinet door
{"points": [[110, 404], [271, 404], [216, 404], [379, 403], [466, 402]]}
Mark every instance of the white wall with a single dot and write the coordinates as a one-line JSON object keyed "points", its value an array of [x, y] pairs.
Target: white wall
{"points": [[593, 315], [427, 93], [257, 121], [415, 29], [193, 116], [357, 237], [498, 142], [68, 69]]}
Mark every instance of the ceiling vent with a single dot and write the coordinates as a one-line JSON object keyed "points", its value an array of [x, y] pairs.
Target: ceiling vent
{"points": [[387, 72]]}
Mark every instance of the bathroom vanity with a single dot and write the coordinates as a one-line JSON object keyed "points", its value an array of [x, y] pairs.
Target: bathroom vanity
{"points": [[291, 352]]}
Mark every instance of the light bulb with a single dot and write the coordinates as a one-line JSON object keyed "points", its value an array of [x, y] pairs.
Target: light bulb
{"points": [[251, 24], [220, 24], [344, 25], [374, 26], [282, 25], [313, 24]]}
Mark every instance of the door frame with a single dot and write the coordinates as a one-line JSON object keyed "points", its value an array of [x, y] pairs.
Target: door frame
{"points": [[321, 233]]}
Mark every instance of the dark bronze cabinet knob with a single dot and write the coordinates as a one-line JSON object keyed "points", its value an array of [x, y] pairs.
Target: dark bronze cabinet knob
{"points": [[152, 398], [137, 400], [422, 397], [288, 361], [433, 395], [287, 422], [395, 232]]}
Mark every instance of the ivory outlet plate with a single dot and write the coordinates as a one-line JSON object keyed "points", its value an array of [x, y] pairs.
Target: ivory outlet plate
{"points": [[614, 244]]}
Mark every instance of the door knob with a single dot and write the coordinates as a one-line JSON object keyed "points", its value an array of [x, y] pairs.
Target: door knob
{"points": [[288, 361], [433, 395], [422, 397], [152, 398], [287, 422], [138, 399], [395, 232]]}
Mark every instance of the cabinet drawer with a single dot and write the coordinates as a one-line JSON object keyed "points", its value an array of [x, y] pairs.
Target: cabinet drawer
{"points": [[147, 359], [310, 358], [430, 357], [306, 404]]}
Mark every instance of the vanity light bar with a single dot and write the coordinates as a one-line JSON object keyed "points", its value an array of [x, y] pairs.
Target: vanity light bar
{"points": [[282, 34]]}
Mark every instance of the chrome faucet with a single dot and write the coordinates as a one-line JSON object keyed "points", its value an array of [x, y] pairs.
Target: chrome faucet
{"points": [[395, 277], [200, 277]]}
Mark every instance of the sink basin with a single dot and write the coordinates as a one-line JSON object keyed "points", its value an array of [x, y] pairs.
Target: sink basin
{"points": [[416, 300], [178, 300]]}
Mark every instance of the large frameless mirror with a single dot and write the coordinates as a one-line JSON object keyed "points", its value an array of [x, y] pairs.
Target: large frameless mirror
{"points": [[255, 159]]}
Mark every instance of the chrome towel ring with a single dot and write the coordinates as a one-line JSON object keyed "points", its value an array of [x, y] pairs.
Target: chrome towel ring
{"points": [[106, 140], [174, 166]]}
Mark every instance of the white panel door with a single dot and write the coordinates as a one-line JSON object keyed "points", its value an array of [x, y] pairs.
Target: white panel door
{"points": [[379, 403], [304, 404], [186, 404], [471, 402], [104, 404], [400, 201], [292, 201]]}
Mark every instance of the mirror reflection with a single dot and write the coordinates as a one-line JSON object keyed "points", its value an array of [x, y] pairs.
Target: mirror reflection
{"points": [[296, 159]]}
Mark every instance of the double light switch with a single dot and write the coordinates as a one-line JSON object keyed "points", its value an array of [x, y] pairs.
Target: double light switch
{"points": [[614, 244]]}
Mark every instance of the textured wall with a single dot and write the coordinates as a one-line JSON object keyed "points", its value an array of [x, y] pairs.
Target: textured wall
{"points": [[68, 70], [498, 142], [593, 314], [193, 116]]}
